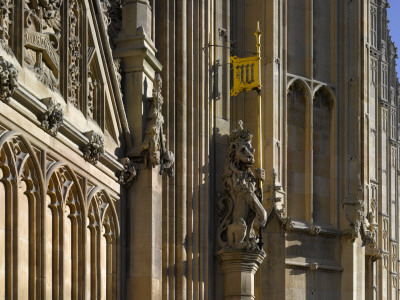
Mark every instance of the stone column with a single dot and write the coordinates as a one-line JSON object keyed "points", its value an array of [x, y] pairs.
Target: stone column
{"points": [[143, 240], [239, 267]]}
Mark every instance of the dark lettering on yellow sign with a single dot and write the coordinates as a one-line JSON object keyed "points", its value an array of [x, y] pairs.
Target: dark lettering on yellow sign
{"points": [[245, 74]]}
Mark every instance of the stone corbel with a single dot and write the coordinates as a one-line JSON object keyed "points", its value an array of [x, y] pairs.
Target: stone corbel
{"points": [[354, 213], [94, 149], [153, 147], [8, 80], [274, 209], [52, 119], [128, 174]]}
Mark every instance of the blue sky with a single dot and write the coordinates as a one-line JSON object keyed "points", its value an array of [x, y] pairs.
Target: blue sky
{"points": [[394, 26]]}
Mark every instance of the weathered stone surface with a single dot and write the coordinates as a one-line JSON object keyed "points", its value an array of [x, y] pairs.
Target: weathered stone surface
{"points": [[240, 204], [94, 149], [8, 79], [52, 119]]}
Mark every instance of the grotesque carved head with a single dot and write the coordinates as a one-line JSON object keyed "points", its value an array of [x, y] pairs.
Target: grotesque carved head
{"points": [[241, 153]]}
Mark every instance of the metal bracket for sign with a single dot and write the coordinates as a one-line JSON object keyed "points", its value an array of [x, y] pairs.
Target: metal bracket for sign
{"points": [[226, 47]]}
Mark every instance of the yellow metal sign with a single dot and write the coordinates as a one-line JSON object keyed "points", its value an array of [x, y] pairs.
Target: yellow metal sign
{"points": [[245, 74]]}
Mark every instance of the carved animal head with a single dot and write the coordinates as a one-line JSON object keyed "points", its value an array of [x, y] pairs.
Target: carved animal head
{"points": [[240, 152]]}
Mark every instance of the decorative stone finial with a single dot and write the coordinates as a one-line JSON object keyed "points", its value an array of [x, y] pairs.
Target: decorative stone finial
{"points": [[8, 79], [94, 149], [53, 118], [239, 206]]}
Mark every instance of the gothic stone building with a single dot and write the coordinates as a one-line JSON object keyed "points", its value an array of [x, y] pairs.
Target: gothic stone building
{"points": [[114, 125]]}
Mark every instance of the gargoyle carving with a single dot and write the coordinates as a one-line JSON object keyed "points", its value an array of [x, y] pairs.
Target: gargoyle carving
{"points": [[128, 174], [239, 206], [359, 224], [153, 145], [53, 118], [94, 149], [8, 79]]}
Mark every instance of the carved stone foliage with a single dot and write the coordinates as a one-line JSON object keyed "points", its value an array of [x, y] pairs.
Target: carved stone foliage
{"points": [[75, 50], [239, 205], [92, 83], [117, 68], [42, 36], [128, 174], [94, 149], [8, 79], [6, 7], [154, 142], [112, 16], [53, 118]]}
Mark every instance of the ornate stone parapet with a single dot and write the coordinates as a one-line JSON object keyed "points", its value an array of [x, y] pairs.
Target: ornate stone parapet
{"points": [[239, 267]]}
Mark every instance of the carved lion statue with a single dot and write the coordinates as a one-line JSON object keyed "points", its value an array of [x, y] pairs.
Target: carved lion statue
{"points": [[239, 206]]}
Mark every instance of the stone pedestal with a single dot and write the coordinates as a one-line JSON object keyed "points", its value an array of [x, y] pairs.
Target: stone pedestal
{"points": [[239, 267]]}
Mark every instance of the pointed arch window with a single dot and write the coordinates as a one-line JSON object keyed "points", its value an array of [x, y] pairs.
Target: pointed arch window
{"points": [[310, 155], [373, 26]]}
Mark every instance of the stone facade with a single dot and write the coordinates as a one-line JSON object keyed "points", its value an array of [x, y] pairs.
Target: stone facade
{"points": [[99, 98]]}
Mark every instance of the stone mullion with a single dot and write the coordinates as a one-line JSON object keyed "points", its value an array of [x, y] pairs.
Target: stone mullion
{"points": [[33, 246], [308, 204], [181, 149], [189, 147], [64, 50], [18, 31], [204, 151], [84, 31], [164, 13], [196, 148], [10, 193], [74, 253], [309, 40]]}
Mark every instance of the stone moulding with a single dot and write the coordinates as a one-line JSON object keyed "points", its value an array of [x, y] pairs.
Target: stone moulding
{"points": [[8, 79], [235, 260], [53, 118], [94, 149], [239, 267]]}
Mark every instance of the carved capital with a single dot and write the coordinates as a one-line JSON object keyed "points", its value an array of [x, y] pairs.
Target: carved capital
{"points": [[94, 149], [246, 261], [53, 118], [8, 79], [239, 267]]}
